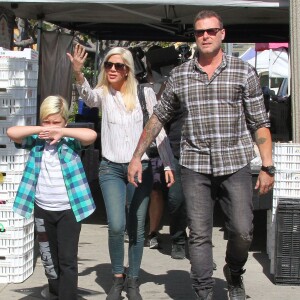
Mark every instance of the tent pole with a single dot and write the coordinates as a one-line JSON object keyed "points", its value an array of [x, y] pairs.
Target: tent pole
{"points": [[38, 98], [96, 63], [38, 42], [295, 67]]}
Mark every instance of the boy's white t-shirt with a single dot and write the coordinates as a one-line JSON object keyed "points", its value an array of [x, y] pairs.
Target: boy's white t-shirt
{"points": [[51, 192]]}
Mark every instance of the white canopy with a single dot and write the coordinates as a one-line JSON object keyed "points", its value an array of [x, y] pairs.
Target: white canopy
{"points": [[275, 61]]}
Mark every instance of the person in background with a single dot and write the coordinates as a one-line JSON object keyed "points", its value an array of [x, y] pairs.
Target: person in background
{"points": [[223, 104], [55, 187], [156, 204], [175, 197], [121, 126]]}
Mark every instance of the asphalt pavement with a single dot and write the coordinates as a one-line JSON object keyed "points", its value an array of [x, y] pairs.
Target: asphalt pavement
{"points": [[161, 277]]}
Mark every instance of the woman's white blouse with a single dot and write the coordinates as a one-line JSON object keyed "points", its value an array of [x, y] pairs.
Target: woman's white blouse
{"points": [[121, 129]]}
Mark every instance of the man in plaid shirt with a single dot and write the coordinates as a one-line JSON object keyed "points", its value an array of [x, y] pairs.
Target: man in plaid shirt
{"points": [[224, 108]]}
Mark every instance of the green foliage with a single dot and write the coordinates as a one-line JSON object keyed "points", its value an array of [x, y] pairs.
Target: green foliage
{"points": [[89, 73], [74, 111]]}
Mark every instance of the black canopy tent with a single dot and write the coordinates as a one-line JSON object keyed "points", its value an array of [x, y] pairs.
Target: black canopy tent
{"points": [[155, 20], [160, 20]]}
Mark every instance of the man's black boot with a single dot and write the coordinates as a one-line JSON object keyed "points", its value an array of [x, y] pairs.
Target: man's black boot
{"points": [[236, 289], [204, 294]]}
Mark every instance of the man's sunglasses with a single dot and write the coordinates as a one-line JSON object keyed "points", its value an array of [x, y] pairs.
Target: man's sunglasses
{"points": [[209, 31], [118, 66]]}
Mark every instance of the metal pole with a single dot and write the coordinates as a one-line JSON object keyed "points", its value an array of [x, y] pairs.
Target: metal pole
{"points": [[96, 64], [38, 47], [229, 48], [38, 42], [295, 67]]}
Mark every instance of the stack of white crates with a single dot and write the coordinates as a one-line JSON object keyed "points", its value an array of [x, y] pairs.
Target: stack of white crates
{"points": [[18, 106], [287, 186]]}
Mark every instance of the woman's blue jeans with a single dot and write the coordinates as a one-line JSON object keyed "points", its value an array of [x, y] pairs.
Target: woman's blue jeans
{"points": [[119, 195], [234, 192]]}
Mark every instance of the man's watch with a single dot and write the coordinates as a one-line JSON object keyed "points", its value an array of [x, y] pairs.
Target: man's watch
{"points": [[269, 169]]}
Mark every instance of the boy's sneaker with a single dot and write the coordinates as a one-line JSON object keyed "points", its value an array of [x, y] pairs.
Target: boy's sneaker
{"points": [[236, 289], [178, 251], [152, 241]]}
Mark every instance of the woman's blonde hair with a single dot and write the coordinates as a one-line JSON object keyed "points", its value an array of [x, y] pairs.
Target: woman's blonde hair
{"points": [[130, 91], [54, 105]]}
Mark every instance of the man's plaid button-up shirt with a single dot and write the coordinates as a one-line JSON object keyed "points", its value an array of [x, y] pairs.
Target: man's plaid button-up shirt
{"points": [[220, 114]]}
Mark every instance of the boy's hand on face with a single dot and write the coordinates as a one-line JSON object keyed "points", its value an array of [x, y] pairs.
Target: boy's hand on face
{"points": [[51, 133]]}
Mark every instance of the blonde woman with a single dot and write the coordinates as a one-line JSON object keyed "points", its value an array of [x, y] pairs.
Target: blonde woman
{"points": [[121, 127]]}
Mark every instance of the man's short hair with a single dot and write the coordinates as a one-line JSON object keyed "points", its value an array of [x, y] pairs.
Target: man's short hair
{"points": [[204, 14]]}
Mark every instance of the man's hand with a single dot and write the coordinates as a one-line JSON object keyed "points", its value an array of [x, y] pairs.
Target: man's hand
{"points": [[264, 183], [135, 171], [169, 177]]}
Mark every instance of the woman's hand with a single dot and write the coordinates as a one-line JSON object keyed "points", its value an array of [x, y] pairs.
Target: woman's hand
{"points": [[78, 59], [169, 177]]}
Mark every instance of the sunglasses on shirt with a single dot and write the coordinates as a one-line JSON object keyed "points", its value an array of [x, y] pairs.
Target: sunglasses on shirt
{"points": [[209, 31], [118, 66]]}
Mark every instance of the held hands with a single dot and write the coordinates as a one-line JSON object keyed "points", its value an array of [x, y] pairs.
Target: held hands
{"points": [[51, 133], [264, 183], [78, 59]]}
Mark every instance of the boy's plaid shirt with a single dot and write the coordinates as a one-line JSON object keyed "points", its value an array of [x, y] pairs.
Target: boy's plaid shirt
{"points": [[77, 186]]}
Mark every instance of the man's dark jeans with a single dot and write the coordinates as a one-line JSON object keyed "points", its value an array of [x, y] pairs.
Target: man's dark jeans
{"points": [[234, 192]]}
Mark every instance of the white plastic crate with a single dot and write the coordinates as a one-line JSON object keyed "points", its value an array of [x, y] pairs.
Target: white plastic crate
{"points": [[9, 187], [4, 139], [7, 148], [4, 111], [19, 74], [15, 120], [7, 196], [28, 109], [16, 268], [22, 92], [17, 240], [12, 167], [13, 163], [18, 82], [8, 191], [11, 150], [18, 78], [287, 185], [10, 219], [17, 64], [11, 177], [287, 157], [25, 53], [7, 100], [4, 125]]}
